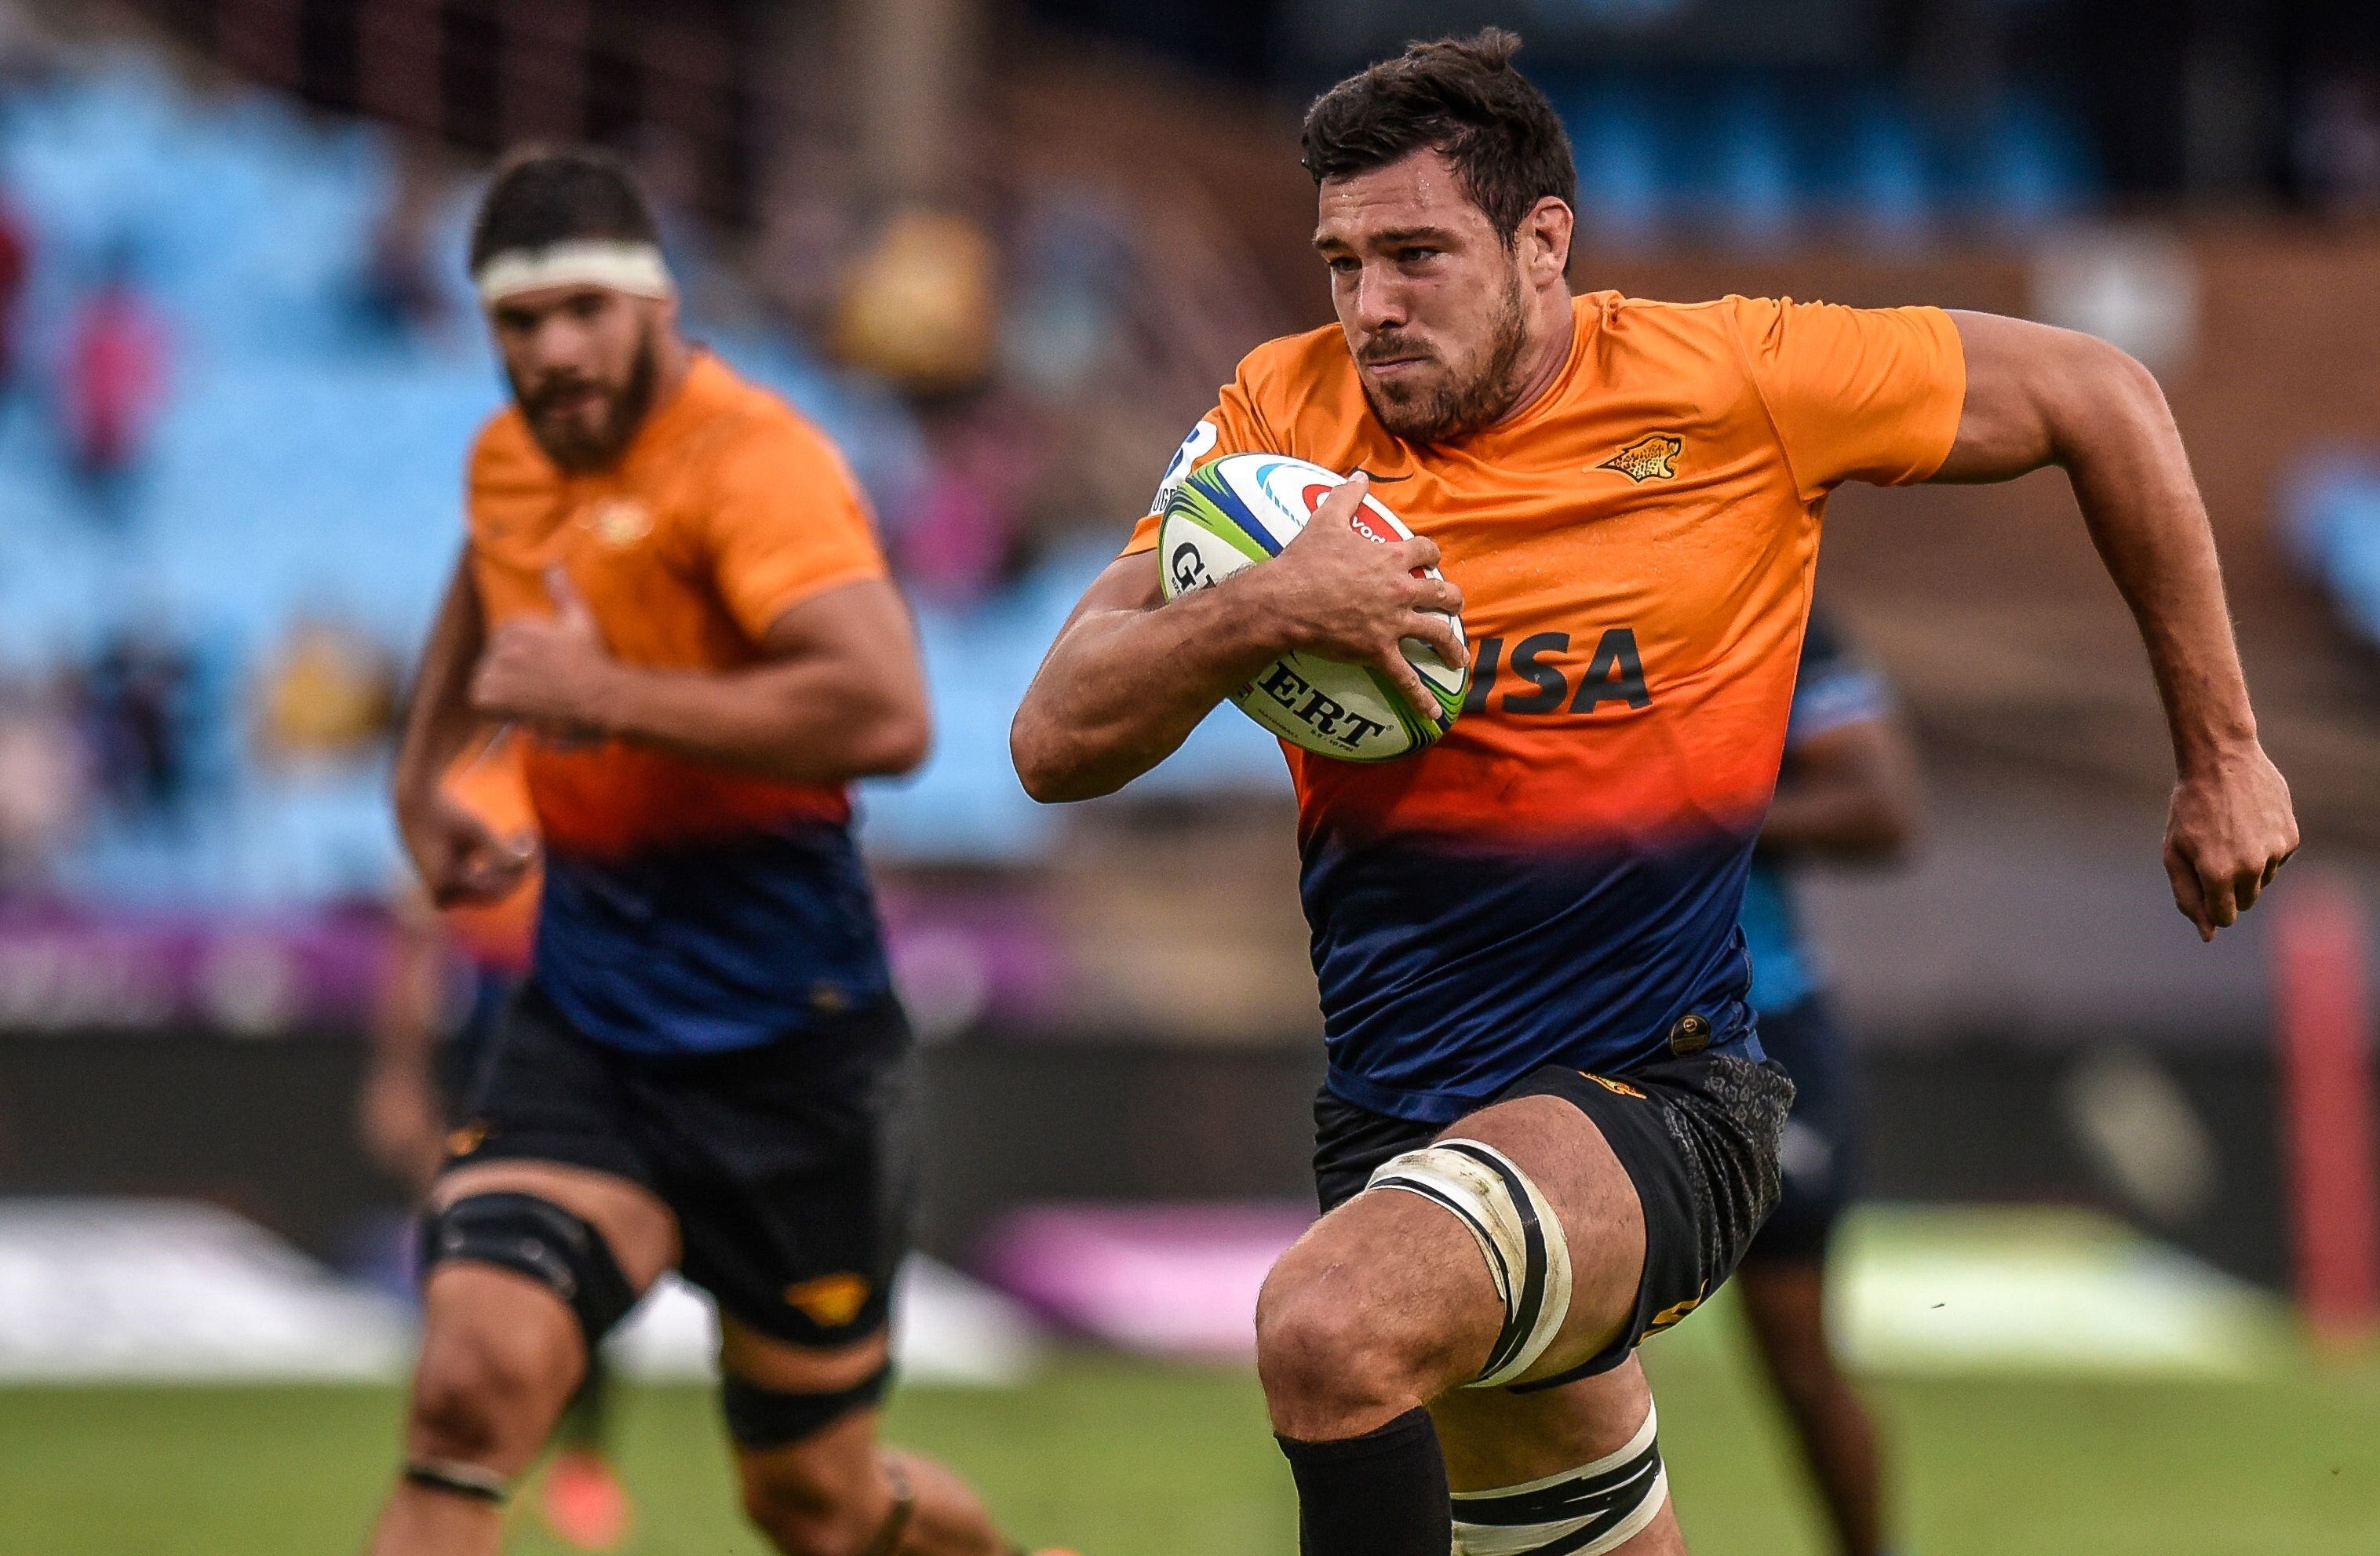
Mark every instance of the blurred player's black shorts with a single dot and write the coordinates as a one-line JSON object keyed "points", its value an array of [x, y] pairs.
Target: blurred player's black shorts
{"points": [[790, 1166], [1821, 1155], [1698, 1136]]}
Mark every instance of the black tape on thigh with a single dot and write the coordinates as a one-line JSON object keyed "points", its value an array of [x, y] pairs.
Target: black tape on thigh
{"points": [[758, 1417], [539, 1239]]}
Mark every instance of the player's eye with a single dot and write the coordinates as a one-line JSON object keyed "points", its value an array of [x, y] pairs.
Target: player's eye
{"points": [[1344, 264], [1414, 254]]}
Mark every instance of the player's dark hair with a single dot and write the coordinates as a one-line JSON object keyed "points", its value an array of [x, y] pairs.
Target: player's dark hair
{"points": [[544, 195], [1461, 96]]}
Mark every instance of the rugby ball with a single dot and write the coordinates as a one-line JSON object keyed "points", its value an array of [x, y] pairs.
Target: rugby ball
{"points": [[1234, 513]]}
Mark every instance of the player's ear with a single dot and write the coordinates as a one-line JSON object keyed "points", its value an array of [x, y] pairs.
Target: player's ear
{"points": [[1548, 230]]}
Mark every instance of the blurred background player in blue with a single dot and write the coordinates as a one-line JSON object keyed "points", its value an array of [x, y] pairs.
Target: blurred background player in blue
{"points": [[1847, 793]]}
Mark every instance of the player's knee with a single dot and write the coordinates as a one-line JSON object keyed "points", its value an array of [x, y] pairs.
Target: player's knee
{"points": [[1324, 1355], [480, 1395], [804, 1509]]}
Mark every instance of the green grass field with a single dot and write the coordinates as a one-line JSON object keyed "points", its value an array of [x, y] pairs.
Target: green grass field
{"points": [[1125, 1459]]}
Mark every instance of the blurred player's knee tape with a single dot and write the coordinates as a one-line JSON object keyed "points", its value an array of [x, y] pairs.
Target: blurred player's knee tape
{"points": [[1527, 1256], [758, 1417], [1583, 1512], [539, 1239], [467, 1481]]}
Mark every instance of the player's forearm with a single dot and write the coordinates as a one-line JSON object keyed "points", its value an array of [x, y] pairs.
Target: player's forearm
{"points": [[439, 719], [1833, 819], [2132, 479], [1124, 686], [808, 722]]}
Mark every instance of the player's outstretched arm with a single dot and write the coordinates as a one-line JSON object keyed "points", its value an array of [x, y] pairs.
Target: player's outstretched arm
{"points": [[2038, 395], [1127, 681], [838, 694]]}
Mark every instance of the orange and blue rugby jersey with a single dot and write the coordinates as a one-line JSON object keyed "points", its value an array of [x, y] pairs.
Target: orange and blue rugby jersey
{"points": [[1557, 879], [687, 907]]}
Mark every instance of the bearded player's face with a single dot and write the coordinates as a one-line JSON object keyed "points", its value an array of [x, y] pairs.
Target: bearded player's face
{"points": [[582, 362], [1430, 295]]}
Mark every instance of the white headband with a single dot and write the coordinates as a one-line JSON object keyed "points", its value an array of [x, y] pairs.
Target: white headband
{"points": [[634, 268]]}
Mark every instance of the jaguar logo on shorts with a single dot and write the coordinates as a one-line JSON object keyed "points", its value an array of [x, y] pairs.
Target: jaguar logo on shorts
{"points": [[1671, 1314], [467, 1139], [618, 522], [1651, 457], [1622, 1087], [830, 1301]]}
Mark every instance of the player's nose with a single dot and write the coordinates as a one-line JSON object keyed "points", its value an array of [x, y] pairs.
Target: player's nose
{"points": [[1380, 303]]}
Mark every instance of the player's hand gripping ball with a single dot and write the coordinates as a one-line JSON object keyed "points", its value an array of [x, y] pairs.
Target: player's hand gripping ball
{"points": [[1234, 513]]}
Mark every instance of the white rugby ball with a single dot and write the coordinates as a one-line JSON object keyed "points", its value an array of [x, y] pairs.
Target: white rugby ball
{"points": [[1234, 513]]}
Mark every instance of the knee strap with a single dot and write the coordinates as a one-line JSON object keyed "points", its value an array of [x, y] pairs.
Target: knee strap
{"points": [[758, 1417], [1528, 1256], [468, 1481], [539, 1239], [1585, 1512]]}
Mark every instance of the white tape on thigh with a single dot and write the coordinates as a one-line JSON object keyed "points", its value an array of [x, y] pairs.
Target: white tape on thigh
{"points": [[1517, 1232], [1585, 1512]]}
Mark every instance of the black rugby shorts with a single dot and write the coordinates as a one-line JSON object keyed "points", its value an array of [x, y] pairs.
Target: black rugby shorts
{"points": [[791, 1167], [1699, 1136]]}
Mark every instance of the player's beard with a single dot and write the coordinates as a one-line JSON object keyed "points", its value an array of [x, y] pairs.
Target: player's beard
{"points": [[1458, 405], [577, 450]]}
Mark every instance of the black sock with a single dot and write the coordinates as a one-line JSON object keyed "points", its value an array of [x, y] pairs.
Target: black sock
{"points": [[1381, 1494]]}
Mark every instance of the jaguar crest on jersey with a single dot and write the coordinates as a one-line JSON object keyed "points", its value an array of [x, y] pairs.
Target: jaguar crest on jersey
{"points": [[618, 522], [1651, 457]]}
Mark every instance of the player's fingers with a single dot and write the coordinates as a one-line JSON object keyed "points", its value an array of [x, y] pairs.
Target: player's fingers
{"points": [[1408, 682], [1339, 505], [2186, 893], [1418, 553], [1436, 594], [2247, 885], [1442, 636], [2215, 887], [568, 603]]}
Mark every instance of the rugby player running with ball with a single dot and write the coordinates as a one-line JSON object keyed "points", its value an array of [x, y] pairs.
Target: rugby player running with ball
{"points": [[672, 588], [1548, 1128]]}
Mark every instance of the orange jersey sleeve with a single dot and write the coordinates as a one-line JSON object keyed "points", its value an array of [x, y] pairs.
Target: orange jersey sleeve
{"points": [[1234, 425], [1856, 393], [787, 522]]}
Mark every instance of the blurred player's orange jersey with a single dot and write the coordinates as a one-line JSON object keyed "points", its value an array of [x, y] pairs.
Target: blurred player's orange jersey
{"points": [[1557, 879], [688, 906]]}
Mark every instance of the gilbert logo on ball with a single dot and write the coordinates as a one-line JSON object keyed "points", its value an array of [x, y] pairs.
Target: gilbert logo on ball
{"points": [[1237, 511]]}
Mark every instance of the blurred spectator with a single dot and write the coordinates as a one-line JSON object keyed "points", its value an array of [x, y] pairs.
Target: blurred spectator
{"points": [[329, 695], [398, 293], [960, 540], [16, 261], [916, 307], [1076, 259], [2338, 145], [136, 706], [42, 783], [114, 382]]}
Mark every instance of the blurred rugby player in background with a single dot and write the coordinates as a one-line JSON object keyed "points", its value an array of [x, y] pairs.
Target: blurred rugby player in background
{"points": [[1847, 793], [672, 587]]}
